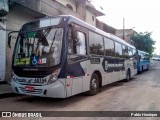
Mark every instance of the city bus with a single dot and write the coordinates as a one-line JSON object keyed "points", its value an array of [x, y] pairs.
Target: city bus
{"points": [[62, 56], [143, 62]]}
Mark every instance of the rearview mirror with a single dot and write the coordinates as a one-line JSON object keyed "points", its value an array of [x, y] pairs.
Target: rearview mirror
{"points": [[10, 38], [9, 41]]}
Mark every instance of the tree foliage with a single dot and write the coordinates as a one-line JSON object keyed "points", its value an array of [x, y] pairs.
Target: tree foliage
{"points": [[143, 41]]}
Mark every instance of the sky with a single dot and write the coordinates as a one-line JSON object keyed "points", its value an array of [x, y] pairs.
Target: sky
{"points": [[139, 15]]}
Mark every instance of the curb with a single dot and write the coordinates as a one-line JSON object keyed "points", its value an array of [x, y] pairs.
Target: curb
{"points": [[3, 82]]}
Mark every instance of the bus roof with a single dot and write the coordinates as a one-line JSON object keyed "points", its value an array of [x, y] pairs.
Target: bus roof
{"points": [[88, 26], [143, 52]]}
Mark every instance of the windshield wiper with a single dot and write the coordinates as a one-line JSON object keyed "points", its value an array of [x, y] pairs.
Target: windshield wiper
{"points": [[53, 39]]}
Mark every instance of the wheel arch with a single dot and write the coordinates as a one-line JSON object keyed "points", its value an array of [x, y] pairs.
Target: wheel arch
{"points": [[98, 73]]}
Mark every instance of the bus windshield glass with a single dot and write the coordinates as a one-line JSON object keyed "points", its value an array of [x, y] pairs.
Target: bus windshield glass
{"points": [[39, 48]]}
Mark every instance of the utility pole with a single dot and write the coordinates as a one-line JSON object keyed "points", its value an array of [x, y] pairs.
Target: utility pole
{"points": [[123, 29]]}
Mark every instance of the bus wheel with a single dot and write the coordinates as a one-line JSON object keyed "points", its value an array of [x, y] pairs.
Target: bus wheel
{"points": [[147, 67], [140, 70], [94, 85], [128, 76]]}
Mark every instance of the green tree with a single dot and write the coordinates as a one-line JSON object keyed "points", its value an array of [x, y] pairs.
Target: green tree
{"points": [[143, 41]]}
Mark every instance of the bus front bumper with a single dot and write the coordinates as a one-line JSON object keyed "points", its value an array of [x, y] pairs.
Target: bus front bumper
{"points": [[54, 90]]}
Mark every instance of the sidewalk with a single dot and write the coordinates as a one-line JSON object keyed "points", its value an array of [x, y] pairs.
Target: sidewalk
{"points": [[5, 90]]}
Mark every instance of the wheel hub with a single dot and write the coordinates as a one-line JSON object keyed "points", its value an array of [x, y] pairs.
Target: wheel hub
{"points": [[94, 85]]}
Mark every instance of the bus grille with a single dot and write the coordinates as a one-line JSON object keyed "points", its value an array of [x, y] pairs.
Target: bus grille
{"points": [[35, 91]]}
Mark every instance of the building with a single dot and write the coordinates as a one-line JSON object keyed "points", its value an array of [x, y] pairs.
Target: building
{"points": [[105, 27], [22, 11], [3, 12], [125, 34]]}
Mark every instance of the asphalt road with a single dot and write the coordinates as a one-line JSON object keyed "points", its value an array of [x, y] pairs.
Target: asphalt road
{"points": [[142, 93]]}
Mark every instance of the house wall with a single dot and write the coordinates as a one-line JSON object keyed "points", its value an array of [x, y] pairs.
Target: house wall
{"points": [[89, 19], [81, 9], [50, 8], [2, 51], [71, 2], [18, 16]]}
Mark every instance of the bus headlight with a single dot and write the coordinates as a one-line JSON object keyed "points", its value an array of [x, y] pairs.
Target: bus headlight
{"points": [[53, 76], [13, 77]]}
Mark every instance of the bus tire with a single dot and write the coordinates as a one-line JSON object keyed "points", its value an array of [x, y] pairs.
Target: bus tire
{"points": [[128, 76], [147, 67], [94, 85], [140, 70]]}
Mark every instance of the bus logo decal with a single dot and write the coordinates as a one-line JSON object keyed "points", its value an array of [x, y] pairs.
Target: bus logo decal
{"points": [[35, 60]]}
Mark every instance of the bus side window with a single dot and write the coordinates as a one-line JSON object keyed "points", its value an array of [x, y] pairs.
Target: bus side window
{"points": [[77, 46], [142, 56], [81, 44], [118, 49], [96, 44], [125, 51], [130, 52], [109, 47], [134, 54]]}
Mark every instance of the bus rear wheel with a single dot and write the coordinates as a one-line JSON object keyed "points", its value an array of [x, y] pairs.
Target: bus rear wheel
{"points": [[94, 85]]}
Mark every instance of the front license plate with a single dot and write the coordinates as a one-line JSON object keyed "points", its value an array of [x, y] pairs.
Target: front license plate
{"points": [[29, 88]]}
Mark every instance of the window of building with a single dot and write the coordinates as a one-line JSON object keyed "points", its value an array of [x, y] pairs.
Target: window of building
{"points": [[96, 44], [4, 8], [69, 6], [118, 49], [109, 47]]}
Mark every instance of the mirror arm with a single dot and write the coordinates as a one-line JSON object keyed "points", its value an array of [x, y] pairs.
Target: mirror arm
{"points": [[9, 38], [12, 32]]}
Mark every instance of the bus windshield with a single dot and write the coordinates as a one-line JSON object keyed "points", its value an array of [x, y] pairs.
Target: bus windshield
{"points": [[39, 48]]}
